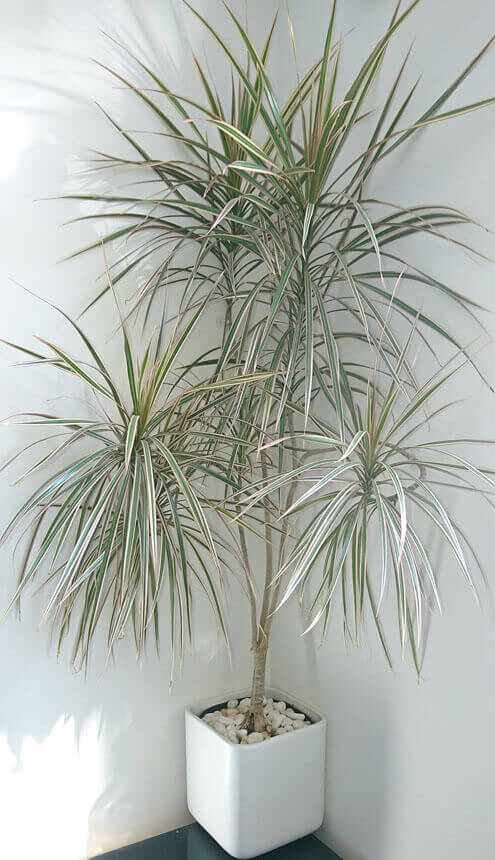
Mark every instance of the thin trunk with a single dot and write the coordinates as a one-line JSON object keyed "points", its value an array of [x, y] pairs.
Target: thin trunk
{"points": [[255, 720], [283, 539], [262, 631], [249, 584]]}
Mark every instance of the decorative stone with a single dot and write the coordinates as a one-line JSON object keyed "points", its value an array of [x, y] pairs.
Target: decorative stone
{"points": [[255, 738], [275, 719], [280, 720]]}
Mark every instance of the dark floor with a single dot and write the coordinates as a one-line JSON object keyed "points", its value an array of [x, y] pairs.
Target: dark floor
{"points": [[193, 843]]}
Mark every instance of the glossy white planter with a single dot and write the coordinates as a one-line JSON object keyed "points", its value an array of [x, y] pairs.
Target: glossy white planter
{"points": [[255, 797]]}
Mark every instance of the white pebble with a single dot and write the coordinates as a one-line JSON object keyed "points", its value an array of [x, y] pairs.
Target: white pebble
{"points": [[280, 720], [275, 719], [230, 712], [255, 738], [213, 715]]}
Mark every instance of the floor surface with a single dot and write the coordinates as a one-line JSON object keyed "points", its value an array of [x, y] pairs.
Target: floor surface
{"points": [[193, 843]]}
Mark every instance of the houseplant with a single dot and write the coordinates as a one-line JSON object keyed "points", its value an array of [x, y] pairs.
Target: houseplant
{"points": [[129, 510], [313, 363]]}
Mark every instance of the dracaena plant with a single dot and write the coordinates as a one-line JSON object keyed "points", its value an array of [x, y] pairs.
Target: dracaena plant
{"points": [[385, 488], [273, 195], [125, 510], [267, 210]]}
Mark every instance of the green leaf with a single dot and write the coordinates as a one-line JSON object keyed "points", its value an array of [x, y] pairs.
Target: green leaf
{"points": [[131, 438]]}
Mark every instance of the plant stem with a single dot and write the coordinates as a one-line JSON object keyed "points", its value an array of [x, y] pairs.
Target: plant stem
{"points": [[250, 587], [256, 719], [262, 628]]}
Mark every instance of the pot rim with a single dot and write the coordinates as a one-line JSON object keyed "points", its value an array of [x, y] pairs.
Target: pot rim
{"points": [[194, 709]]}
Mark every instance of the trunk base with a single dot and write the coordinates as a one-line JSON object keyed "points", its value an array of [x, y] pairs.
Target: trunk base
{"points": [[255, 721]]}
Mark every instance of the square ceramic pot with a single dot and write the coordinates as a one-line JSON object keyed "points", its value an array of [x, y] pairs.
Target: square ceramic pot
{"points": [[253, 798]]}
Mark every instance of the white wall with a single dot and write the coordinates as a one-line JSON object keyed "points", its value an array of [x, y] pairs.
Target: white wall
{"points": [[86, 765]]}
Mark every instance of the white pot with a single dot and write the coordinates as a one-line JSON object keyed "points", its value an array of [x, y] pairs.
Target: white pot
{"points": [[253, 798]]}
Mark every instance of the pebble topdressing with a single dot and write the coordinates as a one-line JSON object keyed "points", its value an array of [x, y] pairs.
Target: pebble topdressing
{"points": [[280, 720]]}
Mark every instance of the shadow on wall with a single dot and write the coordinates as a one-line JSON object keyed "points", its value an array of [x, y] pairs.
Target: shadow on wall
{"points": [[87, 765]]}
